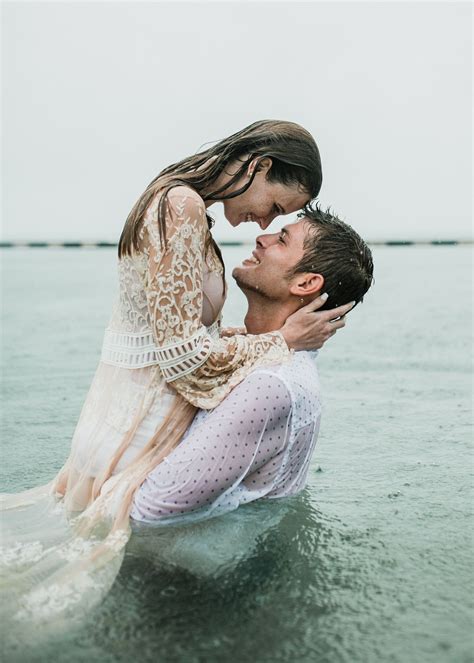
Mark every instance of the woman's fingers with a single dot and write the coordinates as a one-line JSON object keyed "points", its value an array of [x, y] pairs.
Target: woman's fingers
{"points": [[334, 325], [316, 303], [340, 311], [309, 329], [331, 313]]}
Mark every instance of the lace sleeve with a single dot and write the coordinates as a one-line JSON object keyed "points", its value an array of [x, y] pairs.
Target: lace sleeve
{"points": [[229, 362], [202, 369]]}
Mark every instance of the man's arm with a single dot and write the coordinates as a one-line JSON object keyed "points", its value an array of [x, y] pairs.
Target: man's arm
{"points": [[249, 428]]}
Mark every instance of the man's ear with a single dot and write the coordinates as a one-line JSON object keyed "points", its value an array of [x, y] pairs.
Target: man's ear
{"points": [[306, 284], [264, 165]]}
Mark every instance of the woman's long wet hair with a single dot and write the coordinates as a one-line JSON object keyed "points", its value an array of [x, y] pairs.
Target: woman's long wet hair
{"points": [[295, 161]]}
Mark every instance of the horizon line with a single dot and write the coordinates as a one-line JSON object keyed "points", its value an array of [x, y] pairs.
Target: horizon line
{"points": [[73, 244]]}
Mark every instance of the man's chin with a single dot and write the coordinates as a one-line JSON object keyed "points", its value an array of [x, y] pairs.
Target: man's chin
{"points": [[238, 273], [247, 286], [240, 276]]}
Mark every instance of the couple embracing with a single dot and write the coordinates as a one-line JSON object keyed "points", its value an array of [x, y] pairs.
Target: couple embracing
{"points": [[186, 419]]}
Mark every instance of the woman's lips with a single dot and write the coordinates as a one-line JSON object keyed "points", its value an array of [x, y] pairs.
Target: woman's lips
{"points": [[255, 219]]}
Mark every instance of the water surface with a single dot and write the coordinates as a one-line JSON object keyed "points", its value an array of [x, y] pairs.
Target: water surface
{"points": [[373, 562]]}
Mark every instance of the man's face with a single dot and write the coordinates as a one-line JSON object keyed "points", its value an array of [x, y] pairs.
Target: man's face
{"points": [[274, 255]]}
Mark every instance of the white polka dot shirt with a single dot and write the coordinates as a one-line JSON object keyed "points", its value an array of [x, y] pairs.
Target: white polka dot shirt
{"points": [[256, 444]]}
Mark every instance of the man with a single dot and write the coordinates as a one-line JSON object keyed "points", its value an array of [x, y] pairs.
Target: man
{"points": [[258, 442]]}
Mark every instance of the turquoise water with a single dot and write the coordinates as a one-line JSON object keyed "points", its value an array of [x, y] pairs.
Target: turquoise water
{"points": [[373, 562]]}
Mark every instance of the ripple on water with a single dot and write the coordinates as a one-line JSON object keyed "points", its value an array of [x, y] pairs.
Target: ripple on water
{"points": [[372, 563]]}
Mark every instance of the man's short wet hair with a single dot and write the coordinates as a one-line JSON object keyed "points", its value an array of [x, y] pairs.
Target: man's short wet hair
{"points": [[333, 249]]}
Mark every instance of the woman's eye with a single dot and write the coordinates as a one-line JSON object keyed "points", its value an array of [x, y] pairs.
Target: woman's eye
{"points": [[280, 239]]}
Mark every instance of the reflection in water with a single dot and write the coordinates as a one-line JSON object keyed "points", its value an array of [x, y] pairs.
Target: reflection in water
{"points": [[267, 579], [249, 572]]}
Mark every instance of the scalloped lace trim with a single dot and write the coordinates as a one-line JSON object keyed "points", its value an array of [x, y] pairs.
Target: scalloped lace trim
{"points": [[128, 350]]}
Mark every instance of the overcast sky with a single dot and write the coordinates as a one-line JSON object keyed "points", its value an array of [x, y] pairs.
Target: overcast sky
{"points": [[98, 97]]}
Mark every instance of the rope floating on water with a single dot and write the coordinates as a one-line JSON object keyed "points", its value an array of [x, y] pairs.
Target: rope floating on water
{"points": [[107, 245]]}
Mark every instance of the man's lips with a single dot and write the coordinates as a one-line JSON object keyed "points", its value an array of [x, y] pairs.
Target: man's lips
{"points": [[253, 260]]}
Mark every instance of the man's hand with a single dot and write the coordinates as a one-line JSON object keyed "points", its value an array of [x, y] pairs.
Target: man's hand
{"points": [[308, 329], [232, 331]]}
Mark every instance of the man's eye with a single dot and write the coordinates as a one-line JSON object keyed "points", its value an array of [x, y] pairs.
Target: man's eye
{"points": [[277, 209]]}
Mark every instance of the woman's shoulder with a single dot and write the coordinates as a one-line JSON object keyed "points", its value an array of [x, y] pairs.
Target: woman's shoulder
{"points": [[185, 199], [184, 210]]}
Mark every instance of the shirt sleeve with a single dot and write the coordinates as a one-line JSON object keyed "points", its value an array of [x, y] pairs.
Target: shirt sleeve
{"points": [[202, 369], [246, 431]]}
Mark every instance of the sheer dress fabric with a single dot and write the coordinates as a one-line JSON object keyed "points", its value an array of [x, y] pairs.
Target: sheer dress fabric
{"points": [[163, 339], [163, 347], [256, 444]]}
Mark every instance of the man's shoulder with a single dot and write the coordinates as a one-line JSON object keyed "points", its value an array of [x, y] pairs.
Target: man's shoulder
{"points": [[296, 361], [297, 384], [300, 370]]}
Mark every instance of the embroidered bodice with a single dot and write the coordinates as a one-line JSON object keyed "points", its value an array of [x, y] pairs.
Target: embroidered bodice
{"points": [[164, 329], [168, 311], [129, 341]]}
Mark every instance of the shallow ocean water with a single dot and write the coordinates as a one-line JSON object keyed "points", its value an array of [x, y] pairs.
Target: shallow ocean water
{"points": [[372, 562]]}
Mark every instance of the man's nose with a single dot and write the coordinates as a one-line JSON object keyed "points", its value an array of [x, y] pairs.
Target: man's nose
{"points": [[263, 241]]}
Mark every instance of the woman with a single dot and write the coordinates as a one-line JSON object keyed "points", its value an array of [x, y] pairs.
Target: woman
{"points": [[163, 354]]}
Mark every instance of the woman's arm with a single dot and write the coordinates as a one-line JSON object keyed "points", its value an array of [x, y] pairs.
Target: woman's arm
{"points": [[202, 369]]}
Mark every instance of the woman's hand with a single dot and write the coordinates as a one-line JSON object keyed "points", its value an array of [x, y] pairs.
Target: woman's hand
{"points": [[309, 330]]}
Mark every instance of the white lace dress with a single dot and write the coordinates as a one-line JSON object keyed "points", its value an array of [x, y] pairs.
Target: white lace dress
{"points": [[163, 343], [163, 339]]}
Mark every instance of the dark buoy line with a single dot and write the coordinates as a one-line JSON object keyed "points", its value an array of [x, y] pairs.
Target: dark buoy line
{"points": [[107, 245]]}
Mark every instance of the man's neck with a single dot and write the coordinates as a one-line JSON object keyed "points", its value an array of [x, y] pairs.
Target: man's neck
{"points": [[264, 315]]}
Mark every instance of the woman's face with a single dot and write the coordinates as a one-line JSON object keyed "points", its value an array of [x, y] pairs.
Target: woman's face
{"points": [[263, 201]]}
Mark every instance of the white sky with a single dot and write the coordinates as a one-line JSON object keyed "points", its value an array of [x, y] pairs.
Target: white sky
{"points": [[98, 97]]}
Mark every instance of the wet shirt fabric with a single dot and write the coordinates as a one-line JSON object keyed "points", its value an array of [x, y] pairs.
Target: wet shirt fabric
{"points": [[256, 444]]}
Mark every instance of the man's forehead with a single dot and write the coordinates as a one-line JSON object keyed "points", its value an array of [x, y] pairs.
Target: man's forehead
{"points": [[297, 231]]}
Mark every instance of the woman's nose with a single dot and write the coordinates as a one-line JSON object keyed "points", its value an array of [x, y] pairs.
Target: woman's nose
{"points": [[264, 224]]}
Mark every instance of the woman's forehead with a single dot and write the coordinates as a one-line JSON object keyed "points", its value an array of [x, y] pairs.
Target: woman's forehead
{"points": [[292, 197]]}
